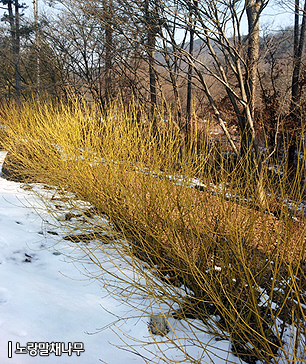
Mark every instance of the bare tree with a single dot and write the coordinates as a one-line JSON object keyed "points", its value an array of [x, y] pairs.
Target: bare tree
{"points": [[299, 40], [151, 20], [77, 39], [298, 45], [233, 57], [37, 46], [189, 73], [13, 17]]}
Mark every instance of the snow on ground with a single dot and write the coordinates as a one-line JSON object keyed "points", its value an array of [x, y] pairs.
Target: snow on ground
{"points": [[46, 299]]}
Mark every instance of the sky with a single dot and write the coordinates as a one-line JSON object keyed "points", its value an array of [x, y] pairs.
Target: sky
{"points": [[278, 16], [275, 15]]}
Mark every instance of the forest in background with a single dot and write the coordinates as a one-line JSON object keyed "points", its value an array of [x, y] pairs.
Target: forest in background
{"points": [[185, 56]]}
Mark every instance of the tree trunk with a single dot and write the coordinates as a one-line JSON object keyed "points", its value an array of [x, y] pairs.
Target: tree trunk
{"points": [[299, 40], [108, 11], [173, 79], [189, 75], [253, 9], [249, 143], [15, 37], [151, 20], [37, 44], [17, 52]]}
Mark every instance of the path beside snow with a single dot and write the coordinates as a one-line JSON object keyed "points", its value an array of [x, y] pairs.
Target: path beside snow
{"points": [[43, 298]]}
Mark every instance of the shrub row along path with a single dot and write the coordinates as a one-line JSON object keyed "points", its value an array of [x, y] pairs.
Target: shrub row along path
{"points": [[44, 298]]}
